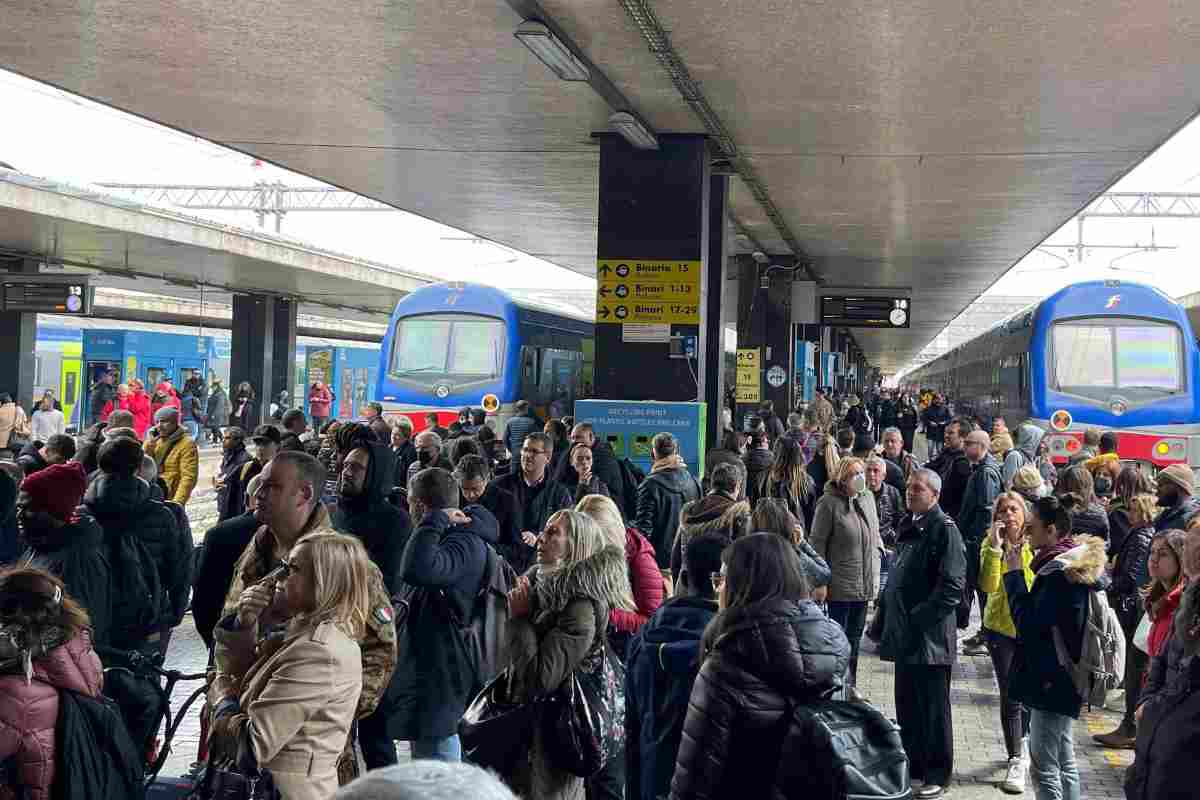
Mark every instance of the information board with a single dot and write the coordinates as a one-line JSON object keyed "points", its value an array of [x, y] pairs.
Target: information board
{"points": [[856, 311], [749, 376], [629, 426], [647, 291], [46, 294]]}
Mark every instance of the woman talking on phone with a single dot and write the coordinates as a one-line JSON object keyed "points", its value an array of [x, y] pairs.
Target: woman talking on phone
{"points": [[1007, 532]]}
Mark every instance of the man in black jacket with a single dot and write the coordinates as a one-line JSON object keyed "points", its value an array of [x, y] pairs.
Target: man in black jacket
{"points": [[664, 659], [935, 419], [889, 510], [974, 517], [1176, 487], [223, 546], [476, 484], [953, 466], [403, 450], [226, 480], [662, 495], [57, 449], [916, 630], [363, 511], [444, 561], [428, 447], [294, 426], [538, 495], [604, 464], [102, 392]]}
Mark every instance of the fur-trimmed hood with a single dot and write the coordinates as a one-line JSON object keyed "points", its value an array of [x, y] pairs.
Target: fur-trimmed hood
{"points": [[602, 576], [711, 513], [1083, 564]]}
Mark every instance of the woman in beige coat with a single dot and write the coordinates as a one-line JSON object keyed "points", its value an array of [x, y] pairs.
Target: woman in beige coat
{"points": [[298, 692], [846, 534]]}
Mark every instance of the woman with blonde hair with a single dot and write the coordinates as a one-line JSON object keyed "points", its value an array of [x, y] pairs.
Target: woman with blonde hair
{"points": [[646, 585], [298, 698], [559, 613], [845, 532], [1008, 530]]}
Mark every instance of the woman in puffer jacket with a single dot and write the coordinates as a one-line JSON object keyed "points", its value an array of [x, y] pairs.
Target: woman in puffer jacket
{"points": [[38, 618], [769, 647]]}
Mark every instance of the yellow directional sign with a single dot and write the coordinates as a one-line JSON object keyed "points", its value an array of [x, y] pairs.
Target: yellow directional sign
{"points": [[749, 378], [650, 291]]}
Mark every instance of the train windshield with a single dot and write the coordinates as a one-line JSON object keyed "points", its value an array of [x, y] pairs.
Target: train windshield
{"points": [[448, 345], [1140, 360]]}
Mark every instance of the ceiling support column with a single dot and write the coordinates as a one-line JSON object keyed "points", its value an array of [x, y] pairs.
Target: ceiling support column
{"points": [[18, 339], [263, 349], [765, 324]]}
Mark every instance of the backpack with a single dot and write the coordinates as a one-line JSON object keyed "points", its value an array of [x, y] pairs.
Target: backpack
{"points": [[94, 757], [485, 634], [836, 750], [631, 479], [142, 601], [1101, 664]]}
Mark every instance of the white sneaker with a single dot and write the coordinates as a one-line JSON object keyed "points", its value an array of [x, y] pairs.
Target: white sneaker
{"points": [[1014, 778]]}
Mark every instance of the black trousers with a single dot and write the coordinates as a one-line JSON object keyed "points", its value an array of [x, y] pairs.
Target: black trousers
{"points": [[1136, 662], [971, 590], [608, 783], [852, 617], [378, 749], [926, 727], [1014, 717]]}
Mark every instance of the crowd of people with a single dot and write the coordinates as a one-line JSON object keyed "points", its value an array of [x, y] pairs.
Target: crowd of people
{"points": [[368, 583]]}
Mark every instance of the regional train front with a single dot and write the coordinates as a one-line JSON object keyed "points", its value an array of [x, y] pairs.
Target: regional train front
{"points": [[1116, 356]]}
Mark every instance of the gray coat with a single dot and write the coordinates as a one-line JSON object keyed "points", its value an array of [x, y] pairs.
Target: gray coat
{"points": [[846, 534]]}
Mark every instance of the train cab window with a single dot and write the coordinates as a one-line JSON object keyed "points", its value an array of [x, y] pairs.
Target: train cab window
{"points": [[458, 345], [154, 376], [1141, 360]]}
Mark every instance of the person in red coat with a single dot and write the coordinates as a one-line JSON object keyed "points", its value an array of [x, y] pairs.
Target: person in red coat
{"points": [[319, 401], [51, 633], [120, 401], [139, 404]]}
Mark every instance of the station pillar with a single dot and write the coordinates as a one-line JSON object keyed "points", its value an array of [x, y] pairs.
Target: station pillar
{"points": [[18, 340], [765, 324], [263, 348], [659, 268]]}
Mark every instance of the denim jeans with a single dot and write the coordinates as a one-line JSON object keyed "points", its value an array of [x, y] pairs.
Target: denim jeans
{"points": [[448, 749], [1052, 756], [192, 428], [851, 615]]}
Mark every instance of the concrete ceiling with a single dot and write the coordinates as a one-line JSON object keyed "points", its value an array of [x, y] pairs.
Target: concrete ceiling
{"points": [[927, 144]]}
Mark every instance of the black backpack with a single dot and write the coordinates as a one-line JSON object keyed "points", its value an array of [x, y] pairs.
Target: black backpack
{"points": [[631, 478], [485, 634], [836, 750], [94, 757], [142, 602]]}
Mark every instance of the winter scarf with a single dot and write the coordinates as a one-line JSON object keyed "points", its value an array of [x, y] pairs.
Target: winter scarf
{"points": [[1048, 554], [670, 462], [161, 453]]}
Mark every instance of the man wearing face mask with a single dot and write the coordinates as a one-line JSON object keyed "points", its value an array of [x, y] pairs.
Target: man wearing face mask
{"points": [[974, 519], [1176, 496], [265, 445], [429, 454], [444, 561]]}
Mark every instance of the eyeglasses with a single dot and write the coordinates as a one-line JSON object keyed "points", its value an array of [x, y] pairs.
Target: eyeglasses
{"points": [[718, 581], [533, 452]]}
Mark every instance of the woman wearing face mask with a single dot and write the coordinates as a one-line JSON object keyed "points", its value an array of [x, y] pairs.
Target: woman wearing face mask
{"points": [[768, 648], [1007, 532], [559, 614], [845, 532]]}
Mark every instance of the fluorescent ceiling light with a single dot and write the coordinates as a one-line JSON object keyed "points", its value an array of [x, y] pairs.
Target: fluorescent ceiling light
{"points": [[633, 130], [551, 51]]}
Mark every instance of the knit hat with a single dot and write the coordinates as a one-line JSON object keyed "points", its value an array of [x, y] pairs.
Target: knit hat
{"points": [[166, 411], [57, 489], [1028, 483], [1180, 475]]}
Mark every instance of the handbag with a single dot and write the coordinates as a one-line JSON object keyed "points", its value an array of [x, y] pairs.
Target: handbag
{"points": [[1141, 636], [494, 731], [237, 779], [583, 726]]}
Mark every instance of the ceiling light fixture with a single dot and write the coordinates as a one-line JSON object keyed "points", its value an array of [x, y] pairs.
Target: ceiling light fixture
{"points": [[551, 51], [632, 129]]}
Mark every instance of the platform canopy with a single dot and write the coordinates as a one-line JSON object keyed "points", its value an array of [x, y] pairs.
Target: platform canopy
{"points": [[927, 144]]}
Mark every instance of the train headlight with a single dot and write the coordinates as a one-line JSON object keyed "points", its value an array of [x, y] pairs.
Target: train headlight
{"points": [[1174, 449], [1161, 449]]}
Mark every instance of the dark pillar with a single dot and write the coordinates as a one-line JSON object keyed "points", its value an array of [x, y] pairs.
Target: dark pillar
{"points": [[764, 322], [712, 331], [283, 365], [18, 339], [653, 207], [252, 349]]}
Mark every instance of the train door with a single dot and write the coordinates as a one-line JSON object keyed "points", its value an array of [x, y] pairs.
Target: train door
{"points": [[186, 368], [155, 372], [94, 372], [69, 389]]}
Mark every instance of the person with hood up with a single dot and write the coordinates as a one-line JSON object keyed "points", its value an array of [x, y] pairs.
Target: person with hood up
{"points": [[444, 561], [719, 513], [125, 505], [176, 454], [915, 628], [661, 497], [139, 404], [65, 541], [974, 518], [1066, 569], [768, 648], [1176, 487], [664, 659], [47, 648], [845, 532], [217, 411], [758, 458], [363, 509], [557, 627], [226, 480]]}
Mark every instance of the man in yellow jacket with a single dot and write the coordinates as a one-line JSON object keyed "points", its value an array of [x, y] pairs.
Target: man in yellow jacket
{"points": [[175, 453]]}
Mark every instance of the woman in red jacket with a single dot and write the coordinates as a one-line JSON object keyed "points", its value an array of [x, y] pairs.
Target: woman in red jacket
{"points": [[47, 632], [121, 401], [139, 404], [645, 578]]}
